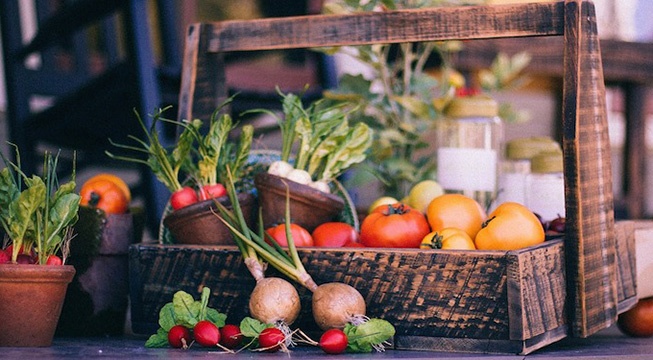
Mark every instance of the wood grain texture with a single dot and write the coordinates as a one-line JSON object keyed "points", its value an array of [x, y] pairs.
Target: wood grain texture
{"points": [[426, 295], [590, 240]]}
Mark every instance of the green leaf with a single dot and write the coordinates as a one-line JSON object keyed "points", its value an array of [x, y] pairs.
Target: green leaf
{"points": [[363, 337], [187, 310], [216, 317], [167, 317], [158, 340], [251, 327]]}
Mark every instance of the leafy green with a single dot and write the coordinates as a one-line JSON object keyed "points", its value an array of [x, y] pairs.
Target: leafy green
{"points": [[369, 335], [186, 311], [40, 215], [251, 328]]}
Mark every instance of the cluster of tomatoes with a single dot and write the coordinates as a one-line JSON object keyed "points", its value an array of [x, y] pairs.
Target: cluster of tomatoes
{"points": [[451, 221]]}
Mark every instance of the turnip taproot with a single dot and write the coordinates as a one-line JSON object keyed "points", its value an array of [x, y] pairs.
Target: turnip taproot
{"points": [[337, 304], [274, 300]]}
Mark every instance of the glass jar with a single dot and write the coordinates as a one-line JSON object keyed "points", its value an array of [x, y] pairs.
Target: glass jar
{"points": [[469, 142], [516, 167], [546, 185]]}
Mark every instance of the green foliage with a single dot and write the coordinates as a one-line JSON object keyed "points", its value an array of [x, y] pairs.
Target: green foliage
{"points": [[186, 311], [40, 215], [400, 100], [369, 335]]}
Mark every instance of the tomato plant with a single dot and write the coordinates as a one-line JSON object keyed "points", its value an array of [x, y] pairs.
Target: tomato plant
{"points": [[396, 225], [183, 197], [334, 234], [510, 226], [300, 236], [104, 195], [448, 238], [455, 210]]}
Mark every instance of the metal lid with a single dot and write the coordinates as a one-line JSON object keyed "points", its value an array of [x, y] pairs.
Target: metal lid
{"points": [[472, 106], [527, 148]]}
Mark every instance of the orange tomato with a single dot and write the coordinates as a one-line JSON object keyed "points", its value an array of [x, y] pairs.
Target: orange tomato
{"points": [[510, 226], [448, 238], [114, 179], [105, 195], [455, 210]]}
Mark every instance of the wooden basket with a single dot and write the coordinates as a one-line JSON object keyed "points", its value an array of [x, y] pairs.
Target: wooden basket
{"points": [[460, 301]]}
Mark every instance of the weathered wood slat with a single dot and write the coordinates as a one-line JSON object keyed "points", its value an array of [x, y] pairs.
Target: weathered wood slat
{"points": [[588, 178], [446, 23]]}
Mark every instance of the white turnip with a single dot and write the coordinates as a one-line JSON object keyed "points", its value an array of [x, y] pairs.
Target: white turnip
{"points": [[337, 304], [273, 301]]}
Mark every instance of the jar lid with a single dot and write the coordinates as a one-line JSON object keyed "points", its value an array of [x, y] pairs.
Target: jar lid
{"points": [[472, 106], [547, 162], [527, 148]]}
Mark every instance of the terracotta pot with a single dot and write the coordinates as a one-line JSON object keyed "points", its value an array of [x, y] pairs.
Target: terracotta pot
{"points": [[308, 207], [31, 297], [198, 224]]}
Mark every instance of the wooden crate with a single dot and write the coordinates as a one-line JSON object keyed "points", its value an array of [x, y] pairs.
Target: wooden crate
{"points": [[478, 301], [530, 306]]}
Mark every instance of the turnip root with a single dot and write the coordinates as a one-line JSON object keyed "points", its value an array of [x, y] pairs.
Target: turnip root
{"points": [[274, 301], [337, 304], [280, 168], [299, 176], [320, 185]]}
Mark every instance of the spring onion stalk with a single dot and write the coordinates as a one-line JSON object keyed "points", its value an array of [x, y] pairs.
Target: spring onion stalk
{"points": [[253, 245]]}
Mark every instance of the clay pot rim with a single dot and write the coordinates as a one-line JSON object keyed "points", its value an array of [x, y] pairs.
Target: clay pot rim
{"points": [[200, 208], [55, 272], [298, 192]]}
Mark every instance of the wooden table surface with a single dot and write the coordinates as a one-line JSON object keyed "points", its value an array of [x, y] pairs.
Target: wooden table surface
{"points": [[607, 344]]}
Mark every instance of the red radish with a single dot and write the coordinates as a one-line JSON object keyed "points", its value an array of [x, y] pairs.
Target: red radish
{"points": [[271, 339], [179, 337], [212, 191], [183, 197], [4, 257], [206, 333], [54, 260], [25, 259], [230, 336], [333, 341]]}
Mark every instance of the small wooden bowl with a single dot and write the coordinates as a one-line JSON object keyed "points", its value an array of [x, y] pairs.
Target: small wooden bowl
{"points": [[309, 207], [198, 224]]}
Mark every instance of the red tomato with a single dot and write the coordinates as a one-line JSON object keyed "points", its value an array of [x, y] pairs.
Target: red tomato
{"points": [[183, 197], [397, 225], [212, 191], [300, 236], [334, 234]]}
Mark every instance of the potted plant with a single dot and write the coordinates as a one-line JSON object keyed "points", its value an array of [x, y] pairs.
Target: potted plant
{"points": [[37, 214], [318, 145], [201, 159]]}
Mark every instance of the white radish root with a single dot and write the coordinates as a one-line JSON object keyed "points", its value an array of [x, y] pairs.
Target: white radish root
{"points": [[274, 300], [337, 304]]}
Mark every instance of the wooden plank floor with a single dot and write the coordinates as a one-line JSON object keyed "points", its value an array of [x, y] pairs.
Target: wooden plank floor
{"points": [[607, 344]]}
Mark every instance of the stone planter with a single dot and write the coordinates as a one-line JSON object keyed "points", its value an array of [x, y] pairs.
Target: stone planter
{"points": [[31, 298]]}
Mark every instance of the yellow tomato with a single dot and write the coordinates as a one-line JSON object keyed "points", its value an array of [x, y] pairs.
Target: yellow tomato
{"points": [[510, 226], [455, 210], [421, 195], [384, 200], [448, 238]]}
